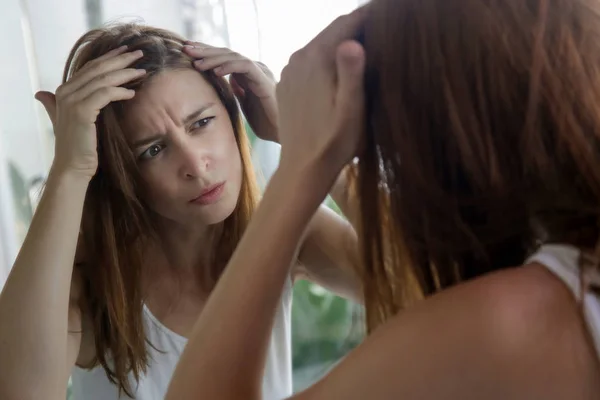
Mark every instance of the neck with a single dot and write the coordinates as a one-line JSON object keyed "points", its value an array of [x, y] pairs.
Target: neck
{"points": [[184, 248]]}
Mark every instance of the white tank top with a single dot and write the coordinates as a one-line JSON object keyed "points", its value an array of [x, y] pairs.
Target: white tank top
{"points": [[563, 261], [277, 382]]}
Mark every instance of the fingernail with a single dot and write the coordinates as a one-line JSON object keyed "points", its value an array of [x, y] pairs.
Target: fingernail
{"points": [[138, 53], [198, 62], [188, 46], [140, 71]]}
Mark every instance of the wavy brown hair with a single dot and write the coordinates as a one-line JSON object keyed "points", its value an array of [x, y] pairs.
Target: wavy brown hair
{"points": [[118, 225], [483, 123]]}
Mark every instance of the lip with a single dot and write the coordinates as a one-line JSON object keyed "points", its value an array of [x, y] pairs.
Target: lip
{"points": [[209, 195]]}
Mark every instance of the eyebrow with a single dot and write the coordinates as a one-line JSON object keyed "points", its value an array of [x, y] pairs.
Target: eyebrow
{"points": [[190, 118]]}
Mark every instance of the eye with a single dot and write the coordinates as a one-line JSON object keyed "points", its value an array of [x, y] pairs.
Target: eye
{"points": [[201, 123], [151, 152]]}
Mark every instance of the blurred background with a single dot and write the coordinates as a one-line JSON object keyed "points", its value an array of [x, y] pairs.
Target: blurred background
{"points": [[36, 36]]}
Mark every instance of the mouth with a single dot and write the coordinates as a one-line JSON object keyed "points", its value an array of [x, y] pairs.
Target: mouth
{"points": [[210, 194]]}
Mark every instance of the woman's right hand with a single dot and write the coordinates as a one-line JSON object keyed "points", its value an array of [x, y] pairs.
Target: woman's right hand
{"points": [[74, 109], [321, 101]]}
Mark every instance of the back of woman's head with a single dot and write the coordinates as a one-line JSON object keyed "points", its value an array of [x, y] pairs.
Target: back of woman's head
{"points": [[117, 224], [483, 139]]}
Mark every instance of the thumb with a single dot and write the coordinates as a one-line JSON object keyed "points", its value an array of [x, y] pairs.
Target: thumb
{"points": [[49, 102], [350, 63]]}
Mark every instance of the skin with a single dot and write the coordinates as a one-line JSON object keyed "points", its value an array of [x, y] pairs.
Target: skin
{"points": [[514, 334], [43, 333], [184, 142], [37, 307], [176, 165]]}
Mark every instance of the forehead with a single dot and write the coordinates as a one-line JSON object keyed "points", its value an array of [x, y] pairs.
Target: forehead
{"points": [[168, 96]]}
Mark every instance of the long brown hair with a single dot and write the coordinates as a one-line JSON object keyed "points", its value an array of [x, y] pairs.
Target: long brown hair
{"points": [[117, 224], [483, 131]]}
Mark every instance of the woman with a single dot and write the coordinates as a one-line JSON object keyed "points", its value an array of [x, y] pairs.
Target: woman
{"points": [[150, 190], [479, 187]]}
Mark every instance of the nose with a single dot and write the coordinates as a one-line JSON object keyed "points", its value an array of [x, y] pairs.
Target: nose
{"points": [[193, 162]]}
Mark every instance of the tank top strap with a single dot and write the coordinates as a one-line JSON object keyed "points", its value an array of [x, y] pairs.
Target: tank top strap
{"points": [[563, 261]]}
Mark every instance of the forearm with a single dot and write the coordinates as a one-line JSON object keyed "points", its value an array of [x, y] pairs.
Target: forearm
{"points": [[34, 303], [225, 356], [341, 192], [345, 198]]}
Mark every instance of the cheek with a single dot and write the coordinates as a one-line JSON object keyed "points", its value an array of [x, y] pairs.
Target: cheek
{"points": [[227, 157], [157, 187], [235, 158]]}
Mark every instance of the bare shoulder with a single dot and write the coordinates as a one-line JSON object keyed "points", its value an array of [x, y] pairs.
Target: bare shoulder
{"points": [[521, 302], [512, 334]]}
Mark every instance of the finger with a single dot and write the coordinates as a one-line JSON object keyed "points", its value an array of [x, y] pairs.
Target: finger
{"points": [[197, 44], [266, 70], [238, 91], [90, 107], [343, 28], [243, 64], [106, 56], [48, 100], [349, 99], [245, 67], [114, 78], [112, 64], [112, 53], [201, 52]]}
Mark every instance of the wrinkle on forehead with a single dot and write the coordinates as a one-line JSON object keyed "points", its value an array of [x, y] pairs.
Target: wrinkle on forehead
{"points": [[164, 101]]}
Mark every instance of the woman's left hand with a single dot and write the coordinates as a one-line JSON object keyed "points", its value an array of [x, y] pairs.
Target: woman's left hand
{"points": [[252, 83]]}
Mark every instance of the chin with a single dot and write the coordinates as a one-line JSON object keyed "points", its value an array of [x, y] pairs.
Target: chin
{"points": [[218, 215]]}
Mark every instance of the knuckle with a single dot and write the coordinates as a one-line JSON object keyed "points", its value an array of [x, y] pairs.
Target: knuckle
{"points": [[319, 49], [104, 79], [89, 65], [285, 74], [256, 67], [67, 101], [308, 53], [60, 92], [340, 19], [297, 55], [105, 91]]}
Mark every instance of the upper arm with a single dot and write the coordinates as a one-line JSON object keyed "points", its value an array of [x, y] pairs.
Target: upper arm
{"points": [[329, 254], [493, 338]]}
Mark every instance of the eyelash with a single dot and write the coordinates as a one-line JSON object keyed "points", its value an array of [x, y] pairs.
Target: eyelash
{"points": [[204, 121], [143, 157]]}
